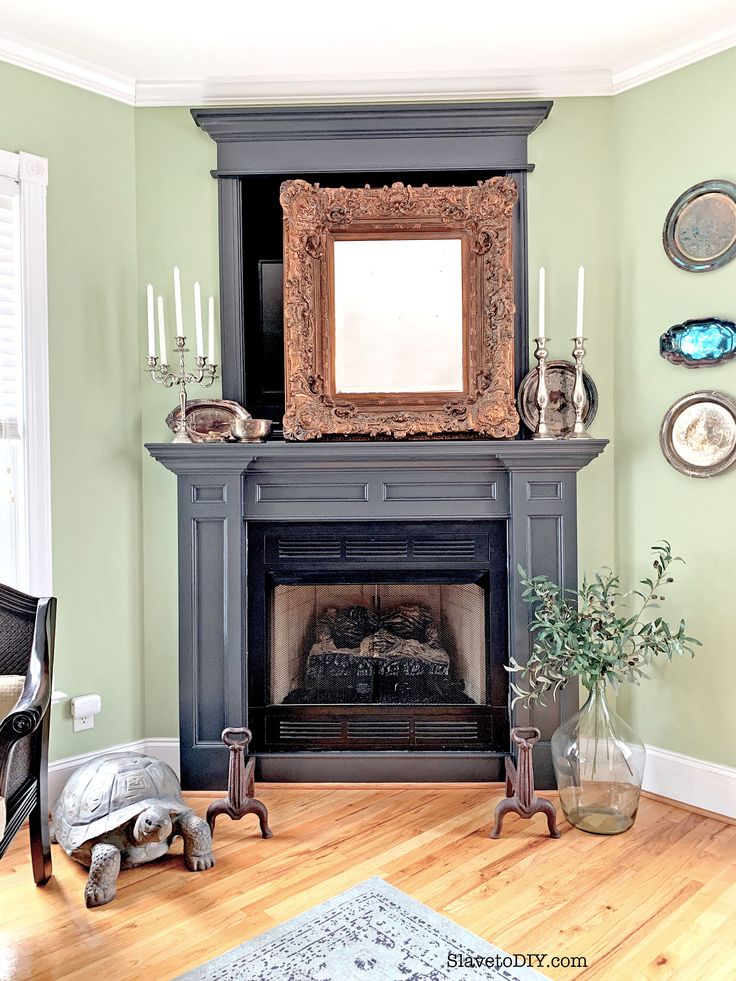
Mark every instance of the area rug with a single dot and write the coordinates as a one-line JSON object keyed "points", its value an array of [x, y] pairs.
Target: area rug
{"points": [[372, 932]]}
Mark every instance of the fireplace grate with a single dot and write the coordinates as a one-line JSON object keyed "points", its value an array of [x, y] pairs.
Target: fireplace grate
{"points": [[412, 729]]}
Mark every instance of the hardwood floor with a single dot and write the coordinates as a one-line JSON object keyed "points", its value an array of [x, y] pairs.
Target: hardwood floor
{"points": [[656, 902]]}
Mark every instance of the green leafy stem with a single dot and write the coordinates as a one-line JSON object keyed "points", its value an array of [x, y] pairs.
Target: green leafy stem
{"points": [[587, 633]]}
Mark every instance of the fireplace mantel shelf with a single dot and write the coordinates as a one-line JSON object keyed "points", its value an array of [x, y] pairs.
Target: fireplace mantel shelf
{"points": [[561, 455]]}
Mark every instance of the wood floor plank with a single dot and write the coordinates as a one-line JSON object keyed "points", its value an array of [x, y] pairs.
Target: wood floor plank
{"points": [[656, 902]]}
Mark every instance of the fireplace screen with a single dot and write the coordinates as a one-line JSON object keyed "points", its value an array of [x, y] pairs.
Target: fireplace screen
{"points": [[385, 643]]}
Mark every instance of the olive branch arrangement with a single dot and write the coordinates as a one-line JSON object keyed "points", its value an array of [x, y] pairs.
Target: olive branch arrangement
{"points": [[584, 633]]}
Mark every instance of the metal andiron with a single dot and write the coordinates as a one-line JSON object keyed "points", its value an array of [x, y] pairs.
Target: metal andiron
{"points": [[240, 798], [520, 797], [204, 374]]}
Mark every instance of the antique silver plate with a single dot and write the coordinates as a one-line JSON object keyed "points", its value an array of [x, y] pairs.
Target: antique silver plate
{"points": [[700, 229], [560, 413], [698, 434], [208, 420]]}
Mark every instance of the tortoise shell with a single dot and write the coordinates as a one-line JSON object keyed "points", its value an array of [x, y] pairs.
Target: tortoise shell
{"points": [[109, 791]]}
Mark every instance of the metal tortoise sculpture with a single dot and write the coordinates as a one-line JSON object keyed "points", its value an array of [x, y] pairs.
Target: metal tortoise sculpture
{"points": [[121, 810]]}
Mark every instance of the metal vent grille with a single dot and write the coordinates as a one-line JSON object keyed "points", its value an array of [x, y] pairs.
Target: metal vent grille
{"points": [[366, 548], [446, 731], [444, 548], [308, 729], [378, 729], [305, 548]]}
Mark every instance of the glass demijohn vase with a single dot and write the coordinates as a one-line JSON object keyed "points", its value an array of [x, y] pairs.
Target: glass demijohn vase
{"points": [[599, 766]]}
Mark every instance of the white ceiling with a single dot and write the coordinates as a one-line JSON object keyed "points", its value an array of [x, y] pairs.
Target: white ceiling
{"points": [[154, 52]]}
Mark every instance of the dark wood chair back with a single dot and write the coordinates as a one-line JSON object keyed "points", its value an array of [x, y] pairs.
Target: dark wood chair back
{"points": [[27, 627]]}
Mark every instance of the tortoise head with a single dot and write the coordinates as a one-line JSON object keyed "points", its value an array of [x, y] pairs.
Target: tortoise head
{"points": [[153, 824]]}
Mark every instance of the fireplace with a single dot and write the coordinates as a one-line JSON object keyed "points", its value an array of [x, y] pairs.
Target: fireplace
{"points": [[282, 545], [288, 549], [388, 636]]}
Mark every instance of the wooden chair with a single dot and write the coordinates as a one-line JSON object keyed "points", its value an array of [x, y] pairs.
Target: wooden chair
{"points": [[27, 627]]}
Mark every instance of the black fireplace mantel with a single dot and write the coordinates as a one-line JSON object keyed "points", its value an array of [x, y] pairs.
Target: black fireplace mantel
{"points": [[223, 488]]}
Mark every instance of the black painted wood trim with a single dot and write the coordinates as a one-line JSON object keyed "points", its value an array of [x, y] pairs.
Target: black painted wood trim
{"points": [[212, 458], [425, 120], [232, 333]]}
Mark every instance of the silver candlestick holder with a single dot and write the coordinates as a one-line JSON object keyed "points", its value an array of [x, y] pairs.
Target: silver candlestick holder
{"points": [[204, 375], [542, 430], [578, 392]]}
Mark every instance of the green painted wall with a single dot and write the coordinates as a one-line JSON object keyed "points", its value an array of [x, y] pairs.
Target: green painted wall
{"points": [[670, 134], [177, 225], [571, 223], [131, 196], [95, 394]]}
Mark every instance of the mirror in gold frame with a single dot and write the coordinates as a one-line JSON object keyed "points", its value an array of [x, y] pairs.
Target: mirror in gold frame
{"points": [[399, 310]]}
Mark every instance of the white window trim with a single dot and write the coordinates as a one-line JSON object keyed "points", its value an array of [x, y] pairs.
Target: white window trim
{"points": [[30, 172]]}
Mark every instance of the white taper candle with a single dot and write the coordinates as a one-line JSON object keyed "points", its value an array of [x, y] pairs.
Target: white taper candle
{"points": [[581, 301], [211, 324], [161, 331], [151, 326], [541, 300], [198, 320], [177, 303]]}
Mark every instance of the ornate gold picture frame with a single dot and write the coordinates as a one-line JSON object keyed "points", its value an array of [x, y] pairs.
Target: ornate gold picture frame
{"points": [[467, 275]]}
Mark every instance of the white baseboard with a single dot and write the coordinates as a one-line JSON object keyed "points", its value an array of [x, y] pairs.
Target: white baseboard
{"points": [[164, 748], [709, 786]]}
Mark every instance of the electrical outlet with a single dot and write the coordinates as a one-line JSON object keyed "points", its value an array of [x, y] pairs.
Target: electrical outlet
{"points": [[83, 722]]}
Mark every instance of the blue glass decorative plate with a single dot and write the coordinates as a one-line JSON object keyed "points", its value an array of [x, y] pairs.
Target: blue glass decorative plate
{"points": [[699, 343]]}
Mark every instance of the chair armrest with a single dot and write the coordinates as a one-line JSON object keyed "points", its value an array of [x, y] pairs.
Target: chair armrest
{"points": [[35, 699]]}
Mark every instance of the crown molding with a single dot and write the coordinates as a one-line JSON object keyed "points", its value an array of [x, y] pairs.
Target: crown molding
{"points": [[297, 90], [66, 68], [632, 74]]}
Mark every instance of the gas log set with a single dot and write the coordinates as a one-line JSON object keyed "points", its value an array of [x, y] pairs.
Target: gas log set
{"points": [[394, 657]]}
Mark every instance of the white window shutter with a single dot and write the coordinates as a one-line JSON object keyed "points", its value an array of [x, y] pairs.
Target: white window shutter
{"points": [[25, 505]]}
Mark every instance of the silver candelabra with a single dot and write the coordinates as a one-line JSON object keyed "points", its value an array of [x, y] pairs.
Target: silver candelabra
{"points": [[542, 430], [204, 374], [578, 392]]}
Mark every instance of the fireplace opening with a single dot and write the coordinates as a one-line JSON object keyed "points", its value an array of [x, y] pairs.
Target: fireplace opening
{"points": [[367, 637], [377, 643]]}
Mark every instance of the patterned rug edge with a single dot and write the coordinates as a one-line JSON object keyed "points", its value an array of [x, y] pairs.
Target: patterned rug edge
{"points": [[456, 935]]}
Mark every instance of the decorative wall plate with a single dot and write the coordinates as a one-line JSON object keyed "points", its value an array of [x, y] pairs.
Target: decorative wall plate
{"points": [[560, 413], [208, 420], [700, 229], [699, 343], [698, 434]]}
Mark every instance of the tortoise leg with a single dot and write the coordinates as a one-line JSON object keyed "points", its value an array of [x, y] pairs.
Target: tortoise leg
{"points": [[197, 842], [103, 874]]}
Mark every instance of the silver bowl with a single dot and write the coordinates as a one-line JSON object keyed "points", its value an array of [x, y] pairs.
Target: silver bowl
{"points": [[250, 430]]}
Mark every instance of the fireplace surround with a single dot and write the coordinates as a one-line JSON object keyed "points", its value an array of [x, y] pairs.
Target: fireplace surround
{"points": [[393, 519], [360, 554]]}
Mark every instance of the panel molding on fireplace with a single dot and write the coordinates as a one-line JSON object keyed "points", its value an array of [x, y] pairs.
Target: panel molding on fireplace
{"points": [[376, 494]]}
